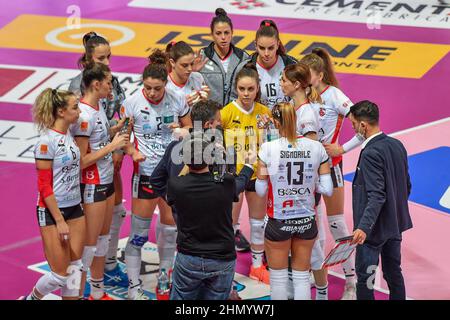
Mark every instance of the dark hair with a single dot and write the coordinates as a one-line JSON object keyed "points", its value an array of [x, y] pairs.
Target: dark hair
{"points": [[91, 40], [320, 61], [157, 67], [204, 111], [179, 49], [268, 28], [249, 70], [221, 16], [366, 111], [189, 155], [94, 71], [300, 72]]}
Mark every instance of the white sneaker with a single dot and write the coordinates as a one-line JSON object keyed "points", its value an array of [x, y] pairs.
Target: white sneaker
{"points": [[349, 292], [140, 295]]}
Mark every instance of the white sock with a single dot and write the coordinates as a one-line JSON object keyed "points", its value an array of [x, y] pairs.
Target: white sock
{"points": [[302, 289], [235, 227], [133, 270], [339, 229], [321, 292], [257, 257], [119, 214], [279, 280], [290, 286], [97, 288]]}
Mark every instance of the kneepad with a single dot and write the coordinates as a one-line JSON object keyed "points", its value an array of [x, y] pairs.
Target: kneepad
{"points": [[72, 287], [317, 256], [87, 257], [50, 282], [102, 245], [139, 231], [257, 231]]}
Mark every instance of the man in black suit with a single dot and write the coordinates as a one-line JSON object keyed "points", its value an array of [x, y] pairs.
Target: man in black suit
{"points": [[381, 188]]}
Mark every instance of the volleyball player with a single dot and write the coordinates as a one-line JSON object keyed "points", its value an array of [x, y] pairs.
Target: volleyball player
{"points": [[156, 110], [182, 79], [296, 84], [240, 121], [93, 133], [270, 59], [289, 169], [97, 49], [59, 213], [331, 116]]}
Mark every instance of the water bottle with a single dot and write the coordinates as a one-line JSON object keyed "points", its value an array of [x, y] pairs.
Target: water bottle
{"points": [[272, 132], [168, 117], [163, 282]]}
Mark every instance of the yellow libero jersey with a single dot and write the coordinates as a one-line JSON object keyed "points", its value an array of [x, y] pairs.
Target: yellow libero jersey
{"points": [[241, 129]]}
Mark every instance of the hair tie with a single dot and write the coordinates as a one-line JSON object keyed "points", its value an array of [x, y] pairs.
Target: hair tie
{"points": [[173, 43], [267, 24], [54, 92]]}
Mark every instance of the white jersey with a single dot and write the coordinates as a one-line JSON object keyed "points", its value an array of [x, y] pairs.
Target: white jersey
{"points": [[307, 119], [149, 127], [293, 173], [269, 80], [61, 148], [335, 108], [94, 124], [194, 83]]}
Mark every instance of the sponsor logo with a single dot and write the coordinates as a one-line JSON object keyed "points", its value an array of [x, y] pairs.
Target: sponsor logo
{"points": [[84, 126], [43, 149], [359, 56], [415, 13]]}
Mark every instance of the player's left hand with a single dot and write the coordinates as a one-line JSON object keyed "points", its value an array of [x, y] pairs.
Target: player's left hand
{"points": [[359, 237]]}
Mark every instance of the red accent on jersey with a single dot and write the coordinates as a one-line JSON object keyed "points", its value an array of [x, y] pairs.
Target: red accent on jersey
{"points": [[289, 203], [150, 100], [90, 105], [136, 164], [326, 88], [276, 61], [178, 85], [60, 132], [90, 174], [306, 102], [270, 200], [340, 121], [147, 189], [227, 56], [45, 185]]}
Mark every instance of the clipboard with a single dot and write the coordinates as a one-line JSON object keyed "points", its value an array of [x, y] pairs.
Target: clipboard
{"points": [[340, 253]]}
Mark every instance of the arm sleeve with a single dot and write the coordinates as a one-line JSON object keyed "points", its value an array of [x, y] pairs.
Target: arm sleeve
{"points": [[372, 168], [261, 187], [325, 185], [352, 143], [45, 182]]}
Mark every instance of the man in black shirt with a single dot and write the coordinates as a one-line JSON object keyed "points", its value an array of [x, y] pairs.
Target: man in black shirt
{"points": [[206, 259]]}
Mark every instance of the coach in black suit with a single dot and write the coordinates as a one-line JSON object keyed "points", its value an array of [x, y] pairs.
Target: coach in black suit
{"points": [[381, 188]]}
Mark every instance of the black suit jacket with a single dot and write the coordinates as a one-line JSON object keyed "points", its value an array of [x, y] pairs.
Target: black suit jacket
{"points": [[381, 187]]}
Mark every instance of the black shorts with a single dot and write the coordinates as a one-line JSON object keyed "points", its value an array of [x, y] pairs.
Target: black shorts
{"points": [[91, 193], [337, 176], [45, 218], [251, 186], [282, 230], [142, 189]]}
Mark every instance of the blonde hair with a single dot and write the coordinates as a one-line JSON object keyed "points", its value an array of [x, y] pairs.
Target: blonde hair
{"points": [[300, 72], [285, 114], [46, 106]]}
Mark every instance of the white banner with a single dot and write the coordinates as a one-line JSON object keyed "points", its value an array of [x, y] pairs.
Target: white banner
{"points": [[27, 82], [375, 14]]}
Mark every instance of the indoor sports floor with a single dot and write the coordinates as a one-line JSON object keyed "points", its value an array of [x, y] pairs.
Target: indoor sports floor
{"points": [[403, 65]]}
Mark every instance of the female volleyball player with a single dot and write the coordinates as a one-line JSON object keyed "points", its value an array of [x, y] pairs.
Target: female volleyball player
{"points": [[156, 110], [288, 168], [92, 134], [97, 49], [240, 122]]}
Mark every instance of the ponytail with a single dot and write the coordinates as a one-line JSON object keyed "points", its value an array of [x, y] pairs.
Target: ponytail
{"points": [[268, 28], [91, 40], [285, 114], [94, 71], [320, 61], [300, 72], [46, 106]]}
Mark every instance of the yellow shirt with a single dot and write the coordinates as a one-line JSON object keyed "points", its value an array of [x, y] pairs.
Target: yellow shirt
{"points": [[241, 129]]}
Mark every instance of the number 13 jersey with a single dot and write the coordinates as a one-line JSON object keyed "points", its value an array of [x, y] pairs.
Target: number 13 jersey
{"points": [[293, 173]]}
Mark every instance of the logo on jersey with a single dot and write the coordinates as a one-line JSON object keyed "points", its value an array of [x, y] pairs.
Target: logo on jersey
{"points": [[84, 126], [289, 203], [43, 149], [322, 112], [248, 4]]}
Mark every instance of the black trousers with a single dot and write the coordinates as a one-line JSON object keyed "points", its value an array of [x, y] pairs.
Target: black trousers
{"points": [[367, 259]]}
